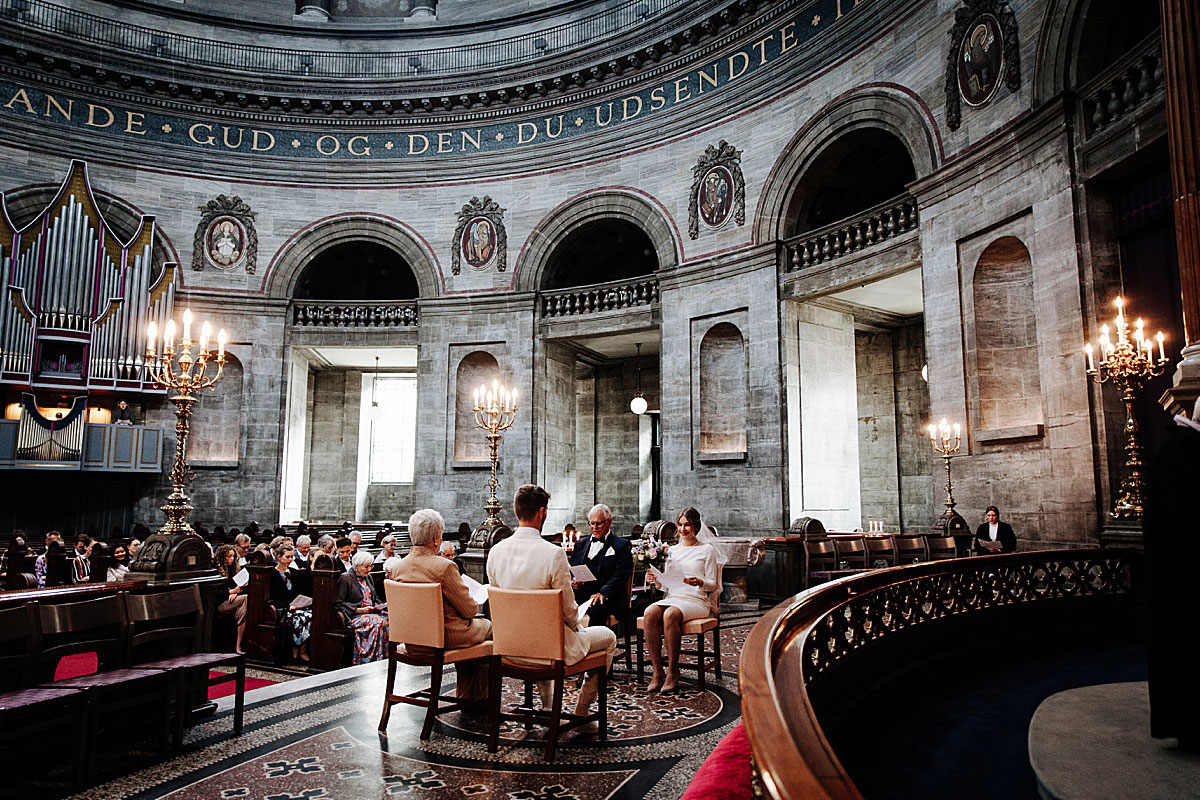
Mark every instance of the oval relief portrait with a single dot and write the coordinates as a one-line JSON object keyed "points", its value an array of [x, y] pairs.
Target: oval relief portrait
{"points": [[225, 242], [981, 61], [479, 243], [715, 198]]}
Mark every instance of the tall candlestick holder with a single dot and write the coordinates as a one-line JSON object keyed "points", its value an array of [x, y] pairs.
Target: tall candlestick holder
{"points": [[176, 550], [495, 412], [946, 440], [1128, 363]]}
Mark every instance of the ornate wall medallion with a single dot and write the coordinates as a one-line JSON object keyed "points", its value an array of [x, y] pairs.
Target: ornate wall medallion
{"points": [[480, 239], [226, 238], [718, 189], [984, 49]]}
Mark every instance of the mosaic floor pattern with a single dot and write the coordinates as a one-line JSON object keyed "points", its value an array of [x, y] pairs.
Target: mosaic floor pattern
{"points": [[315, 738]]}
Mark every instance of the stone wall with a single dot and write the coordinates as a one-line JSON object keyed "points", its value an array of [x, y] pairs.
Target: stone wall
{"points": [[878, 461]]}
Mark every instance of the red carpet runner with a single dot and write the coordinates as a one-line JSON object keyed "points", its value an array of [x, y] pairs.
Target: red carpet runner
{"points": [[85, 664], [725, 774]]}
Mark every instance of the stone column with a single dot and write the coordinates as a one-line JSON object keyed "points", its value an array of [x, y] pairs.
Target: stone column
{"points": [[1181, 68]]}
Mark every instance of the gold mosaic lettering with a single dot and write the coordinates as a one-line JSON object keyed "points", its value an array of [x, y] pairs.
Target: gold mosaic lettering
{"points": [[745, 65], [686, 92], [210, 139], [327, 138], [606, 122], [255, 138], [625, 107], [467, 137], [65, 112], [657, 98], [22, 98], [412, 142], [522, 129], [706, 78], [135, 118], [363, 150]]}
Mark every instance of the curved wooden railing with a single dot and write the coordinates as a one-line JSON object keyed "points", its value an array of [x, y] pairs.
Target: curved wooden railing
{"points": [[802, 641]]}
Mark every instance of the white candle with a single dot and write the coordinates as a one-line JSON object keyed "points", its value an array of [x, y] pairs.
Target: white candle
{"points": [[514, 398], [169, 335], [205, 333], [221, 345], [1087, 348], [1162, 353], [187, 325], [956, 432], [151, 337], [932, 433]]}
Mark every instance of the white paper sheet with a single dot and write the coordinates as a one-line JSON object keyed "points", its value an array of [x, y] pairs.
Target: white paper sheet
{"points": [[580, 572], [301, 601], [669, 581], [478, 591], [241, 577], [583, 609]]}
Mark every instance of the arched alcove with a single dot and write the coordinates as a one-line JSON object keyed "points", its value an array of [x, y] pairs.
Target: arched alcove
{"points": [[1080, 38], [723, 395], [293, 259], [608, 206], [1006, 344], [599, 251], [475, 369], [357, 270], [852, 174], [216, 424]]}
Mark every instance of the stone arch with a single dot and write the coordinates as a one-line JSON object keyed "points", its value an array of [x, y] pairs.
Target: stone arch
{"points": [[882, 107], [618, 203], [1060, 43], [299, 250]]}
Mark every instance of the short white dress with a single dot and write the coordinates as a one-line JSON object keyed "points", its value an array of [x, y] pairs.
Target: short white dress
{"points": [[698, 561]]}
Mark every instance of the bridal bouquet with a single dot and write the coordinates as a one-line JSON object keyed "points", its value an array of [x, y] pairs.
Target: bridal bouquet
{"points": [[649, 553]]}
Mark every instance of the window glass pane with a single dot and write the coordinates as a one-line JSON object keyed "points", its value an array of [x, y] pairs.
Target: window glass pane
{"points": [[394, 431]]}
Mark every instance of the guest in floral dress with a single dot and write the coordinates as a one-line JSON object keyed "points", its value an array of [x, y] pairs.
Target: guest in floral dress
{"points": [[284, 591], [363, 612]]}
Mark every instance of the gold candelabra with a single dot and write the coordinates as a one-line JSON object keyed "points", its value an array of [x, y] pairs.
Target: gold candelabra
{"points": [[183, 376], [495, 411], [1128, 363], [946, 440]]}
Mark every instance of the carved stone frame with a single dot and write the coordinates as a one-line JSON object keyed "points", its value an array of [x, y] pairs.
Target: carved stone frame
{"points": [[490, 210], [223, 206], [723, 155], [964, 18]]}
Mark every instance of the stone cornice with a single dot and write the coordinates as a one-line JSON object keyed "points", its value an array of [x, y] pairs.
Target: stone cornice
{"points": [[720, 267], [498, 303]]}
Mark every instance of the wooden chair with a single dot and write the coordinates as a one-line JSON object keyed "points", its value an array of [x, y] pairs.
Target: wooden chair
{"points": [[941, 547], [27, 712], [98, 626], [417, 637], [881, 551], [822, 557], [169, 628], [263, 628], [698, 628], [852, 552], [910, 549], [529, 644]]}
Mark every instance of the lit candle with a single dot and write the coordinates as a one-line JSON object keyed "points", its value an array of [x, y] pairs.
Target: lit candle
{"points": [[169, 336], [1087, 348], [221, 345], [187, 326], [1162, 353], [151, 337], [932, 433], [514, 396], [205, 333], [956, 432], [1137, 333]]}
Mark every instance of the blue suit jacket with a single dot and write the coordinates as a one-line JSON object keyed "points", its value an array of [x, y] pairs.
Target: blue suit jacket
{"points": [[612, 567]]}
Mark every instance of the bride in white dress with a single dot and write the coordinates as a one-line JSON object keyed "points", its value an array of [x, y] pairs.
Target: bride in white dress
{"points": [[698, 563]]}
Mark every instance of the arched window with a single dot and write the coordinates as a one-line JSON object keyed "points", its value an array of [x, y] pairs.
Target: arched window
{"points": [[1006, 346], [216, 423], [723, 393], [476, 368]]}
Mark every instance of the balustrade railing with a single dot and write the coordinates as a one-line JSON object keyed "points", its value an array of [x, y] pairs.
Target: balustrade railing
{"points": [[600, 297], [113, 32], [1130, 83], [884, 221], [354, 315], [797, 647]]}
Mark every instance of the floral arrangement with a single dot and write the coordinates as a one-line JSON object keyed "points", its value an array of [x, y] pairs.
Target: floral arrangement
{"points": [[649, 553]]}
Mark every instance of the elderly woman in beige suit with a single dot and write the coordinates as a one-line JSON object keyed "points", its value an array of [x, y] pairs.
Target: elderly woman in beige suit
{"points": [[463, 628]]}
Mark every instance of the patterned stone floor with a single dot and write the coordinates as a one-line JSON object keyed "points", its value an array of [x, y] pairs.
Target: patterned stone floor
{"points": [[315, 738]]}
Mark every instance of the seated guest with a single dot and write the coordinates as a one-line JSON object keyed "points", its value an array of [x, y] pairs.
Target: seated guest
{"points": [[664, 619], [118, 565], [463, 628], [297, 621], [994, 536], [242, 542], [39, 564], [81, 565], [234, 601], [303, 546], [526, 561], [355, 542], [345, 550], [16, 547], [609, 559], [448, 550], [389, 548], [326, 544], [363, 612]]}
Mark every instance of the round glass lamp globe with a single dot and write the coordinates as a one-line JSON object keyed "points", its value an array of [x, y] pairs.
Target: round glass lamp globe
{"points": [[638, 405]]}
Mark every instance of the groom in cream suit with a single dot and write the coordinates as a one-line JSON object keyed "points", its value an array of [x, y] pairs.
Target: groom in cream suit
{"points": [[526, 561]]}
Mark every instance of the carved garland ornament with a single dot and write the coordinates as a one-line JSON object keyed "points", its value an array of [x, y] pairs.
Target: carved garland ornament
{"points": [[718, 189], [984, 47], [226, 237], [480, 238]]}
